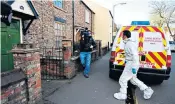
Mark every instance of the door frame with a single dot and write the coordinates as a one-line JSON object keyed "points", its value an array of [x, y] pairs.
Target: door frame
{"points": [[21, 33]]}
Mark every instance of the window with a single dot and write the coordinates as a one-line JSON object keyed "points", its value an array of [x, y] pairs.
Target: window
{"points": [[86, 16], [58, 3], [60, 31]]}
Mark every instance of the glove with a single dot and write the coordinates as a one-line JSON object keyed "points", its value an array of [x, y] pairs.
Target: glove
{"points": [[133, 70]]}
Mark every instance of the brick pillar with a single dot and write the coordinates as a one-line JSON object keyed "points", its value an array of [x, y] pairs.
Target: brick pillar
{"points": [[69, 66], [27, 58]]}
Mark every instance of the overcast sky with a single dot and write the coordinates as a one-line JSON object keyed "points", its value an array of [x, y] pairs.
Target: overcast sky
{"points": [[132, 10]]}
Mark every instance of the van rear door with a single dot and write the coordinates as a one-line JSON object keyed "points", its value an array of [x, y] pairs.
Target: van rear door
{"points": [[152, 45]]}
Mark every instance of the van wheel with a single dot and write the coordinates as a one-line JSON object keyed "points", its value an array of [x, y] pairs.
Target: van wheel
{"points": [[113, 75], [110, 74]]}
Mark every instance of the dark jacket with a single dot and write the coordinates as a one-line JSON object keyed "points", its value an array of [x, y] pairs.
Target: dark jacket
{"points": [[86, 43]]}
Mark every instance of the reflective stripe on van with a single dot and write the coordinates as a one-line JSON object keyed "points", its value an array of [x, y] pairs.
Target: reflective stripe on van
{"points": [[156, 59]]}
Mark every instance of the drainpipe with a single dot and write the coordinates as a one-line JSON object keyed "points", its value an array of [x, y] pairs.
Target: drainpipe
{"points": [[73, 25], [112, 29], [91, 21]]}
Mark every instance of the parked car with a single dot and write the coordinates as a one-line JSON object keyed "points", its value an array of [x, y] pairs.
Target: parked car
{"points": [[172, 46]]}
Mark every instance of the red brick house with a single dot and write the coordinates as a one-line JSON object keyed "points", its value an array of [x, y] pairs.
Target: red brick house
{"points": [[84, 17]]}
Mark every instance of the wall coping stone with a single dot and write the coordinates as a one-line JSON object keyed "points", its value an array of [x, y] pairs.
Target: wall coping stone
{"points": [[25, 50], [12, 77]]}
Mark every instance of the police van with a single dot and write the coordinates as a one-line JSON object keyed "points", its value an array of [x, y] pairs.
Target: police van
{"points": [[153, 49]]}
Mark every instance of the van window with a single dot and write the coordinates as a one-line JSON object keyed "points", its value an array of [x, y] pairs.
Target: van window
{"points": [[153, 42]]}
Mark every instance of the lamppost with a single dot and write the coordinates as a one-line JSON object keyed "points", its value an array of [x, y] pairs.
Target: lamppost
{"points": [[114, 16]]}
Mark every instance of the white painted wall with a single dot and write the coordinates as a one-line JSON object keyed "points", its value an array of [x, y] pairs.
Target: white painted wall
{"points": [[18, 4]]}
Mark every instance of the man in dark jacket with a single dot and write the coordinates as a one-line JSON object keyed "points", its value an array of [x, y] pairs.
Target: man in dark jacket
{"points": [[87, 44]]}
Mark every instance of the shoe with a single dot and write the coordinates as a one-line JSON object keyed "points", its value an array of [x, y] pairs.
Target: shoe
{"points": [[120, 96], [86, 75], [148, 93]]}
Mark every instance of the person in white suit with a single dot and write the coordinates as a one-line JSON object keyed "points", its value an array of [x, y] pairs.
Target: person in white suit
{"points": [[131, 69]]}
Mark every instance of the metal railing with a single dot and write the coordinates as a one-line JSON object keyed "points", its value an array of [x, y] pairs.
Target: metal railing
{"points": [[52, 63]]}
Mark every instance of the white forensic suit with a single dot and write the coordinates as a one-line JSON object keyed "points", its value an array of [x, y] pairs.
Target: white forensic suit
{"points": [[130, 72]]}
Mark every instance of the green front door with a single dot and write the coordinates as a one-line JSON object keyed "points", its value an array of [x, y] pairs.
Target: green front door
{"points": [[10, 35]]}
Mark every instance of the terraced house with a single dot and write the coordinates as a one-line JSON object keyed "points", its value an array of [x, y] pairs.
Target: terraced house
{"points": [[37, 39], [38, 30]]}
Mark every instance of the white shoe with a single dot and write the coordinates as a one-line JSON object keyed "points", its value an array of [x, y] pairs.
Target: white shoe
{"points": [[148, 93], [120, 96]]}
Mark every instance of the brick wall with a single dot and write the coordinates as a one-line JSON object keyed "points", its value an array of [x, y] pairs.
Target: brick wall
{"points": [[69, 66], [14, 94], [41, 31], [80, 15], [28, 59]]}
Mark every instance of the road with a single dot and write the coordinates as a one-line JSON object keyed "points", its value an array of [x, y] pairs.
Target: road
{"points": [[99, 88]]}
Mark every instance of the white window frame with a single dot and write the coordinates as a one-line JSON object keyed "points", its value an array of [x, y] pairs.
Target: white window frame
{"points": [[21, 32], [60, 32]]}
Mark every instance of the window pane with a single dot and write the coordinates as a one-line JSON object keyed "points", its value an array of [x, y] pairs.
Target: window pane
{"points": [[55, 25], [86, 16], [56, 32], [64, 27], [54, 2], [58, 26], [58, 3], [61, 3], [63, 32], [61, 27]]}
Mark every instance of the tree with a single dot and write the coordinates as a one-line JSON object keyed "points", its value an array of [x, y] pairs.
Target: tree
{"points": [[165, 10], [156, 20]]}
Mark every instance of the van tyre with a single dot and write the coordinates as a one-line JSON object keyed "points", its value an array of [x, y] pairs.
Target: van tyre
{"points": [[159, 81], [110, 74], [113, 75]]}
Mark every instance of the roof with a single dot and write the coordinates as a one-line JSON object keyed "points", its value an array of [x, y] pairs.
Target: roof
{"points": [[110, 13], [10, 2], [87, 6]]}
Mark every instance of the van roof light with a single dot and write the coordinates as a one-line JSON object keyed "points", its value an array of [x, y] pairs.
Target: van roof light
{"points": [[140, 23]]}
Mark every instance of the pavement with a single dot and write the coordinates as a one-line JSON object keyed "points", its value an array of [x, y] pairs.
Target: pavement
{"points": [[99, 88]]}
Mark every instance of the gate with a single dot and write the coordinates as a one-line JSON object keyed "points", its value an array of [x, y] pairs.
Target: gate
{"points": [[52, 63]]}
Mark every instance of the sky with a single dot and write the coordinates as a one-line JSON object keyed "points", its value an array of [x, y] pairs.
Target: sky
{"points": [[132, 10]]}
